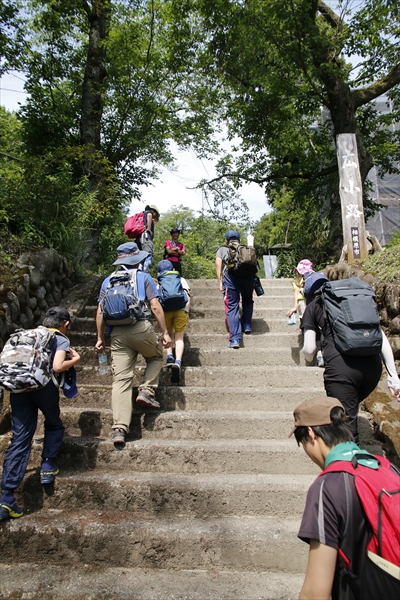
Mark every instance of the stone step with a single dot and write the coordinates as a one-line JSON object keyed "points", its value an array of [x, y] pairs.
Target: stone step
{"points": [[250, 355], [70, 537], [180, 425], [291, 337], [229, 398], [199, 285], [236, 376], [259, 325], [172, 495], [181, 456], [47, 582]]}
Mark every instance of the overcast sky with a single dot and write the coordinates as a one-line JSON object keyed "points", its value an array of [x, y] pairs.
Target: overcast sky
{"points": [[173, 187]]}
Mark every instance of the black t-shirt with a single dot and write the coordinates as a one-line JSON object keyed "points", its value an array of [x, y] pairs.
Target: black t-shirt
{"points": [[333, 515], [315, 320]]}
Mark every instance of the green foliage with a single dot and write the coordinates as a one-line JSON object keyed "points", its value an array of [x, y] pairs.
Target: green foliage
{"points": [[385, 265], [202, 235], [394, 241]]}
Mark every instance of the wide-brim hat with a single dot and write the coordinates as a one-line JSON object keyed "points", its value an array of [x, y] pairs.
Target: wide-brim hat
{"points": [[314, 412], [69, 388], [304, 266], [152, 207], [129, 254]]}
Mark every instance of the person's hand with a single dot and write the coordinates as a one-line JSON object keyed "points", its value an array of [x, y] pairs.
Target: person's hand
{"points": [[99, 345], [221, 286], [73, 353], [291, 311], [395, 393], [167, 342]]}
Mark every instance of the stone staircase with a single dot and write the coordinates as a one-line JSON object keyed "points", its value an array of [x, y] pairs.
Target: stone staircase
{"points": [[206, 498]]}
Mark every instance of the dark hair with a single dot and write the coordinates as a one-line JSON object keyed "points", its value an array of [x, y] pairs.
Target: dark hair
{"points": [[334, 433], [54, 321]]}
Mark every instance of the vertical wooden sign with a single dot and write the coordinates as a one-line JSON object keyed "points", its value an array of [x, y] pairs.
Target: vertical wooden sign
{"points": [[350, 188]]}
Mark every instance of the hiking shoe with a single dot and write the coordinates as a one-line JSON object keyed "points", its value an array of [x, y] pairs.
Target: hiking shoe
{"points": [[247, 328], [320, 360], [10, 511], [118, 438], [170, 361], [48, 473], [144, 398], [234, 344], [175, 373]]}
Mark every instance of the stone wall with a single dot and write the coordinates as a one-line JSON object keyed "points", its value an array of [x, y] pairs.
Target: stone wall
{"points": [[39, 280]]}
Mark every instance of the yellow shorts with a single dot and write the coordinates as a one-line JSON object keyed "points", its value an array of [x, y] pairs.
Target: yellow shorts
{"points": [[176, 320]]}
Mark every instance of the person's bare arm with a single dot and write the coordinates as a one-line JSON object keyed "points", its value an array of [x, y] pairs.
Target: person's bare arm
{"points": [[158, 312], [100, 325], [388, 360], [218, 270], [295, 301], [320, 572], [149, 222]]}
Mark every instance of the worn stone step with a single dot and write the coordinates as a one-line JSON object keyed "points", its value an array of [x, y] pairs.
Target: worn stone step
{"points": [[250, 355], [199, 285], [236, 376], [291, 337], [95, 396], [181, 456], [200, 425], [259, 325], [47, 582], [179, 425], [93, 537], [172, 495]]}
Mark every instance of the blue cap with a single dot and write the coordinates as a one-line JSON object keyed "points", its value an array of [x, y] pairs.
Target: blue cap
{"points": [[165, 265], [69, 388], [232, 235]]}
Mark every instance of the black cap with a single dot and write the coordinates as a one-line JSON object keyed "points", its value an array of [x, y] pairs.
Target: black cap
{"points": [[59, 311], [175, 230]]}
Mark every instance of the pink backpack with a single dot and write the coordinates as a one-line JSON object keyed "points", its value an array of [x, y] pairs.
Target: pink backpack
{"points": [[135, 225]]}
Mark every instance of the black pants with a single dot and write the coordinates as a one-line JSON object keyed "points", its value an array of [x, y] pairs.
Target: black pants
{"points": [[351, 379]]}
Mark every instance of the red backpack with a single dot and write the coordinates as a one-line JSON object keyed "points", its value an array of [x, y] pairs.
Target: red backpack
{"points": [[135, 225], [379, 494]]}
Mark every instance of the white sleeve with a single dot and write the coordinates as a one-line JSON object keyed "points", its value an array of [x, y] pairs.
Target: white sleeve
{"points": [[388, 360], [310, 345]]}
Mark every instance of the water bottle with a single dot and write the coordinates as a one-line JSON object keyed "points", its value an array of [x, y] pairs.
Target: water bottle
{"points": [[258, 288], [103, 366], [292, 319], [250, 240]]}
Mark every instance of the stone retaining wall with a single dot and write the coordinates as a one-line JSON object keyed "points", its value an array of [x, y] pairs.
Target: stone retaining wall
{"points": [[39, 281]]}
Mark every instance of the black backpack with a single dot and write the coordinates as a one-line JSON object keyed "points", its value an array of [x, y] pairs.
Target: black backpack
{"points": [[242, 260], [350, 309]]}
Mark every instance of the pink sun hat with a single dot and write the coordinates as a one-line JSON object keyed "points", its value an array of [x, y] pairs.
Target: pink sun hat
{"points": [[304, 266]]}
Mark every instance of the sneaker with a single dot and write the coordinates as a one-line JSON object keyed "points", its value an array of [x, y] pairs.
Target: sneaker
{"points": [[175, 373], [146, 399], [320, 360], [10, 511], [247, 328], [234, 344], [170, 360], [118, 438], [48, 473]]}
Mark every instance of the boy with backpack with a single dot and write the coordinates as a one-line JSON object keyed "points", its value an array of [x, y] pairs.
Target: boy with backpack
{"points": [[174, 293], [353, 343], [236, 267], [351, 518], [34, 389]]}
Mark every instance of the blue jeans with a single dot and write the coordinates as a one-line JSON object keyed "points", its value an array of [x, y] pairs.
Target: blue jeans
{"points": [[234, 289], [24, 412]]}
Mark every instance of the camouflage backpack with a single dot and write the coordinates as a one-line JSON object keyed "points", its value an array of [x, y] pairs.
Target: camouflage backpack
{"points": [[25, 362]]}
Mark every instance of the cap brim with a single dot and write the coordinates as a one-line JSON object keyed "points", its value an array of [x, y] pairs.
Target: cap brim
{"points": [[69, 388], [293, 430], [132, 260]]}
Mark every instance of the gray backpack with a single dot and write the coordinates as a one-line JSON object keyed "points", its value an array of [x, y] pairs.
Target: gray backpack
{"points": [[26, 359], [350, 309]]}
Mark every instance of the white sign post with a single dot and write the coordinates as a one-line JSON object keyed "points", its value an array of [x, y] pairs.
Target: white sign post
{"points": [[350, 188]]}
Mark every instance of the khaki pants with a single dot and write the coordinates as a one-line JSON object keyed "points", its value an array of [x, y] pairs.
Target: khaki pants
{"points": [[127, 341]]}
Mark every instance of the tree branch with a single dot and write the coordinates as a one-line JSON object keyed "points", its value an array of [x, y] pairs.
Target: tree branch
{"points": [[329, 15], [365, 95]]}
